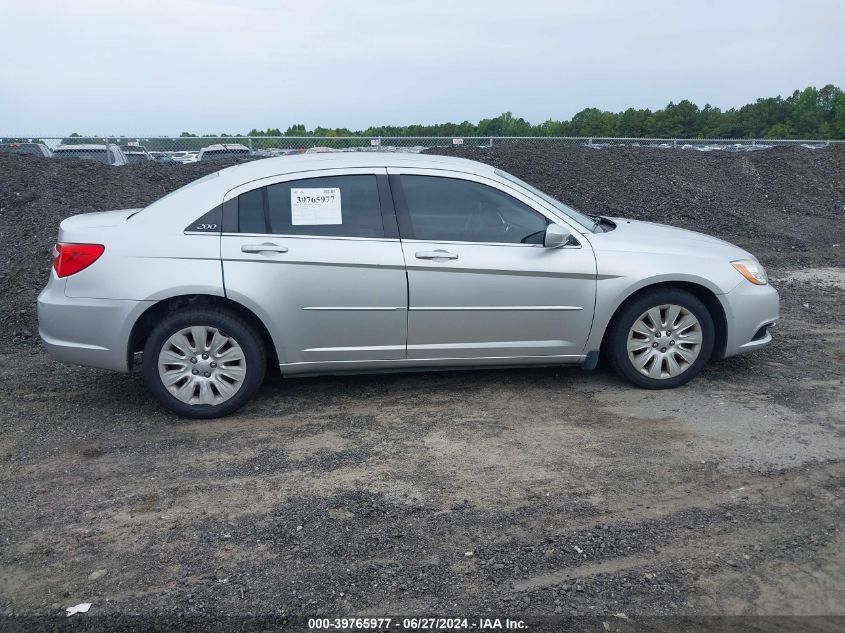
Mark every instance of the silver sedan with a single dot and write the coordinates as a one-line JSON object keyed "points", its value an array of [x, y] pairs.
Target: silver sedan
{"points": [[330, 263]]}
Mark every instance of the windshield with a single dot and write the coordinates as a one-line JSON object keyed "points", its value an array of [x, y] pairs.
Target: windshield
{"points": [[137, 158], [21, 148], [568, 211], [217, 153]]}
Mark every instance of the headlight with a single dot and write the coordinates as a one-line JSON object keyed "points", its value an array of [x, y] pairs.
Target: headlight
{"points": [[752, 270]]}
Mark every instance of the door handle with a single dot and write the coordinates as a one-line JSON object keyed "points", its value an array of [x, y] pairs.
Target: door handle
{"points": [[266, 247], [438, 254]]}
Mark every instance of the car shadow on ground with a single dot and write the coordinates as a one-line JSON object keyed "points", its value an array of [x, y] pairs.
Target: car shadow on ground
{"points": [[105, 393]]}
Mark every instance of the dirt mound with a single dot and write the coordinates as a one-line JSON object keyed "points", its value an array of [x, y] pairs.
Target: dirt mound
{"points": [[783, 204], [36, 194]]}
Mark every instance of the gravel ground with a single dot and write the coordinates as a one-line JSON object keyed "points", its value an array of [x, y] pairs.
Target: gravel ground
{"points": [[494, 493]]}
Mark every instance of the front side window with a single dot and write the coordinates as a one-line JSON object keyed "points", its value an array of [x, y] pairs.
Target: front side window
{"points": [[448, 209], [331, 206]]}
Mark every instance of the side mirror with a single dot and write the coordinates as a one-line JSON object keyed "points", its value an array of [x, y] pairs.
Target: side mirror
{"points": [[556, 236]]}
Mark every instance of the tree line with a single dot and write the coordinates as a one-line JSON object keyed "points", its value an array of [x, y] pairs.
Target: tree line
{"points": [[812, 113]]}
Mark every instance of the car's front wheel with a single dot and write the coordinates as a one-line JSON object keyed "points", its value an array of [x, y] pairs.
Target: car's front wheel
{"points": [[662, 339], [203, 362]]}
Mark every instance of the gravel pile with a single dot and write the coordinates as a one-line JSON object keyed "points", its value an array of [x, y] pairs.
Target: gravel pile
{"points": [[524, 492], [36, 194], [784, 204]]}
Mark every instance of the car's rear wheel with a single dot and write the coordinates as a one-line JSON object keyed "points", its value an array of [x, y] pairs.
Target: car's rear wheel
{"points": [[203, 362], [662, 339]]}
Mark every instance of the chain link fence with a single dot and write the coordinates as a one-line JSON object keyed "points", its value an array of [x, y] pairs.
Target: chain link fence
{"points": [[192, 148]]}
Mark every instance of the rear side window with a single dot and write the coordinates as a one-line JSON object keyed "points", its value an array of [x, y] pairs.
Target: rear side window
{"points": [[251, 218], [331, 206]]}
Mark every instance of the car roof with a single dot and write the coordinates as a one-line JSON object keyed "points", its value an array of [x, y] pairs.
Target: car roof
{"points": [[179, 207], [224, 146], [279, 165], [81, 147]]}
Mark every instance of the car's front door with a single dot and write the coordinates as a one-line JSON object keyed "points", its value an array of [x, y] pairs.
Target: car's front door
{"points": [[480, 282], [316, 256]]}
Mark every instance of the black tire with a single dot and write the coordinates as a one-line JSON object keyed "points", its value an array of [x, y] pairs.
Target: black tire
{"points": [[228, 324], [616, 341]]}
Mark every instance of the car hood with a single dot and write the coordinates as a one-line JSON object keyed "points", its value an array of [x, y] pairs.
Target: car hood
{"points": [[637, 235]]}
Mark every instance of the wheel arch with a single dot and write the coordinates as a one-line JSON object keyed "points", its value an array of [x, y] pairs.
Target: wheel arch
{"points": [[152, 315], [701, 292]]}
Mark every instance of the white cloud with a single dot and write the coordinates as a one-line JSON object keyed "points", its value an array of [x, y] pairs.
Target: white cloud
{"points": [[164, 66]]}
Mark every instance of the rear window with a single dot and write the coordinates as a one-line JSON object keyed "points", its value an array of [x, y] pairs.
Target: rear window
{"points": [[205, 178], [85, 154]]}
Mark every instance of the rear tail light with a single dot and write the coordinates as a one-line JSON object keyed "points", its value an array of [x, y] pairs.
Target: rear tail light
{"points": [[69, 259]]}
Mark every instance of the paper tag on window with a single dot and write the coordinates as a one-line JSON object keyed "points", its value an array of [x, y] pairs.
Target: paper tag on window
{"points": [[315, 206]]}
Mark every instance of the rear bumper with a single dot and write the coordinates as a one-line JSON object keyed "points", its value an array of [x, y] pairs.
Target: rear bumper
{"points": [[748, 310], [91, 332]]}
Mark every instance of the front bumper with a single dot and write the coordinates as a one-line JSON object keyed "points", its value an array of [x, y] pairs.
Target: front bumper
{"points": [[748, 310], [91, 332]]}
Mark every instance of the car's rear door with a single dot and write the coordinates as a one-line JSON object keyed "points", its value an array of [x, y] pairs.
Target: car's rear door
{"points": [[481, 285], [316, 255]]}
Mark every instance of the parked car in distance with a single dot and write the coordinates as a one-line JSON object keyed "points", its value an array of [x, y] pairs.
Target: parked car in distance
{"points": [[272, 152], [136, 154], [183, 156], [367, 262], [37, 149], [162, 157], [223, 150], [109, 154], [179, 157]]}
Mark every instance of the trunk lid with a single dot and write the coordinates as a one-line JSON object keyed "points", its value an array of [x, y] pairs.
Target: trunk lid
{"points": [[97, 219]]}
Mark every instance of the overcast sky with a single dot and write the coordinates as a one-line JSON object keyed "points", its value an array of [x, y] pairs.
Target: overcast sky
{"points": [[161, 67]]}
